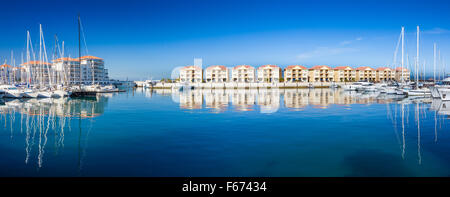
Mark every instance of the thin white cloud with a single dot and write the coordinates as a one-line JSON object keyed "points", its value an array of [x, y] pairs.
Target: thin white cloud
{"points": [[436, 30], [324, 52], [347, 42]]}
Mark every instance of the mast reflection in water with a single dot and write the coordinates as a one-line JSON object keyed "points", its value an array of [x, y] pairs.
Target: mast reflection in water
{"points": [[44, 120], [238, 132]]}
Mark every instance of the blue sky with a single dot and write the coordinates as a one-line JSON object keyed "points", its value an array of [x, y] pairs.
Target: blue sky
{"points": [[141, 38]]}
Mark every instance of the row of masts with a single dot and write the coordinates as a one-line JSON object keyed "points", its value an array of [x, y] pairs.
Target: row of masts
{"points": [[418, 65], [36, 71]]}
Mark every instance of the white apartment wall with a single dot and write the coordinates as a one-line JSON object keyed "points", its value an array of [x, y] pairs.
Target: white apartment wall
{"points": [[216, 75], [269, 74], [241, 74]]}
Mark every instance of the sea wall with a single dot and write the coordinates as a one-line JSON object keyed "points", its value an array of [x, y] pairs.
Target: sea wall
{"points": [[234, 85]]}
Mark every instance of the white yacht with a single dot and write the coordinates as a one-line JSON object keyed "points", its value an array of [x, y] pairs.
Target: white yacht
{"points": [[11, 91], [59, 93], [366, 87], [354, 86], [419, 92], [29, 93], [389, 90], [445, 94], [109, 88], [437, 90], [44, 93]]}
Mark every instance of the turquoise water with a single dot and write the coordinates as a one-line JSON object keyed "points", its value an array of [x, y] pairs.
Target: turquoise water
{"points": [[317, 132]]}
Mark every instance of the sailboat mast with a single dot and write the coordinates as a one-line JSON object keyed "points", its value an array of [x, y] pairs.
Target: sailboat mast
{"points": [[55, 55], [440, 62], [13, 64], [28, 71], [79, 46], [417, 60], [40, 55], [403, 51], [21, 78], [434, 64]]}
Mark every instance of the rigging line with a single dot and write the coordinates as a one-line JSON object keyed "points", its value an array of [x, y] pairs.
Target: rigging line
{"points": [[396, 50], [84, 37]]}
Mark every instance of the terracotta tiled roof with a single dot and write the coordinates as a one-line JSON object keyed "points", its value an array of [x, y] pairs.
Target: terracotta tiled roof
{"points": [[243, 66], [400, 69], [217, 66], [268, 66], [320, 67], [65, 59], [36, 63], [5, 65], [191, 67], [295, 66], [90, 57], [364, 68], [343, 68], [383, 68]]}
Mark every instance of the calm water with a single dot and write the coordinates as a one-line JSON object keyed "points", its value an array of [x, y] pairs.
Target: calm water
{"points": [[318, 132]]}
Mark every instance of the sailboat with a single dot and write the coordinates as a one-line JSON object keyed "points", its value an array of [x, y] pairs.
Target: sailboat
{"points": [[81, 91], [403, 87], [444, 89], [59, 91], [440, 90], [418, 91]]}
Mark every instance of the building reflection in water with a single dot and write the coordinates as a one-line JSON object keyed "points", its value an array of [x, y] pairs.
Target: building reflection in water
{"points": [[39, 119], [49, 120], [270, 100]]}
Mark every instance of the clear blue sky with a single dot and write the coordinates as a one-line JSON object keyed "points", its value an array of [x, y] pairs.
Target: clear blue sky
{"points": [[138, 39]]}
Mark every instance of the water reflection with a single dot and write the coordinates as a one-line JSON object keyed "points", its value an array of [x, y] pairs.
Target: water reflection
{"points": [[269, 100], [41, 123], [37, 119]]}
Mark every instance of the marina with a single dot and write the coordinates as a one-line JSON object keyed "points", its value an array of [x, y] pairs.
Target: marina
{"points": [[224, 97], [377, 134]]}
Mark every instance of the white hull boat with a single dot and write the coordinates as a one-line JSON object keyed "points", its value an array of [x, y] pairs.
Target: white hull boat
{"points": [[445, 94], [59, 94], [350, 87], [28, 93], [390, 90], [435, 92], [419, 92], [44, 94], [11, 91]]}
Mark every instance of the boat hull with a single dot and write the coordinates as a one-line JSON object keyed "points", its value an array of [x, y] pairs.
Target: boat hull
{"points": [[435, 92], [43, 94], [59, 94], [445, 94], [13, 95]]}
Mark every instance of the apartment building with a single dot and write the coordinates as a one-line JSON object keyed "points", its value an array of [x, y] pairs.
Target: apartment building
{"points": [[344, 74], [365, 73], [191, 74], [296, 73], [243, 73], [216, 74], [321, 73], [269, 73]]}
